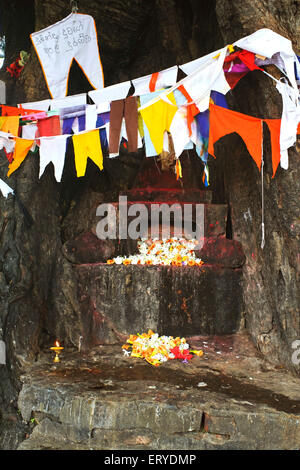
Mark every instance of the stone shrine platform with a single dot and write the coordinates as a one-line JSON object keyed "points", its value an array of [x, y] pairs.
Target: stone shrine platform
{"points": [[230, 398]]}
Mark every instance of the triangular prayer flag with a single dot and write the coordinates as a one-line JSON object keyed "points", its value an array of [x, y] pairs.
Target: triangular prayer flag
{"points": [[22, 148], [53, 149], [10, 124], [87, 144], [224, 121], [5, 189]]}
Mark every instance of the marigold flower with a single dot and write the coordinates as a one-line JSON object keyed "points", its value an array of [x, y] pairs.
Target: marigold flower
{"points": [[110, 261], [197, 353]]}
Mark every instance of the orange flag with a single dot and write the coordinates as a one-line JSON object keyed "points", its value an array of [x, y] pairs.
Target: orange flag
{"points": [[13, 111], [223, 121], [22, 148], [10, 124]]}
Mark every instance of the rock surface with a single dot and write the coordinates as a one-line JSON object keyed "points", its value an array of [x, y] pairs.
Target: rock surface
{"points": [[222, 251], [117, 300], [228, 399]]}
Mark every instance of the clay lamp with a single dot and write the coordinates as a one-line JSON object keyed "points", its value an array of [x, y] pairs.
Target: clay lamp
{"points": [[57, 349]]}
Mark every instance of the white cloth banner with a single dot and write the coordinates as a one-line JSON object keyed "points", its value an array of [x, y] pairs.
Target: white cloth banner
{"points": [[119, 91], [53, 149], [165, 78], [208, 76], [193, 65], [74, 37], [38, 105], [68, 101], [5, 189], [7, 141], [91, 116], [266, 42], [289, 120]]}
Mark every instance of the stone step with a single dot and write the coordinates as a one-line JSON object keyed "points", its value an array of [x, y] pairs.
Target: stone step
{"points": [[117, 300], [228, 399]]}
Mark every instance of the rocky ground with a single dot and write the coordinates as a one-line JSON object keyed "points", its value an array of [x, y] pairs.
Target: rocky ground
{"points": [[230, 398]]}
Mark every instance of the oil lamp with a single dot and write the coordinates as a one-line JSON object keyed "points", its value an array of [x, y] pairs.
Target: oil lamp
{"points": [[57, 349]]}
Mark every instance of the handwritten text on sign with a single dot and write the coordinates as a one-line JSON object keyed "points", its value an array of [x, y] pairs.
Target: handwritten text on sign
{"points": [[68, 39]]}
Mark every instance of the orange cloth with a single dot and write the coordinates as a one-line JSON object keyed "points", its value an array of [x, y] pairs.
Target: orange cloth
{"points": [[192, 109], [10, 124], [178, 169], [153, 81], [13, 111], [274, 128], [223, 121], [22, 148], [298, 129]]}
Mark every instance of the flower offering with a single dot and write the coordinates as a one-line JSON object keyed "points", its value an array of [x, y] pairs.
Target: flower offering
{"points": [[165, 252], [157, 349]]}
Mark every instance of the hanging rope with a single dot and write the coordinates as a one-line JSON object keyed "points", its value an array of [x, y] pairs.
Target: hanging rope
{"points": [[262, 192]]}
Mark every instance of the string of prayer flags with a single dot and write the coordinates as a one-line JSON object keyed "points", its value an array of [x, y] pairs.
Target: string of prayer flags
{"points": [[179, 110]]}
